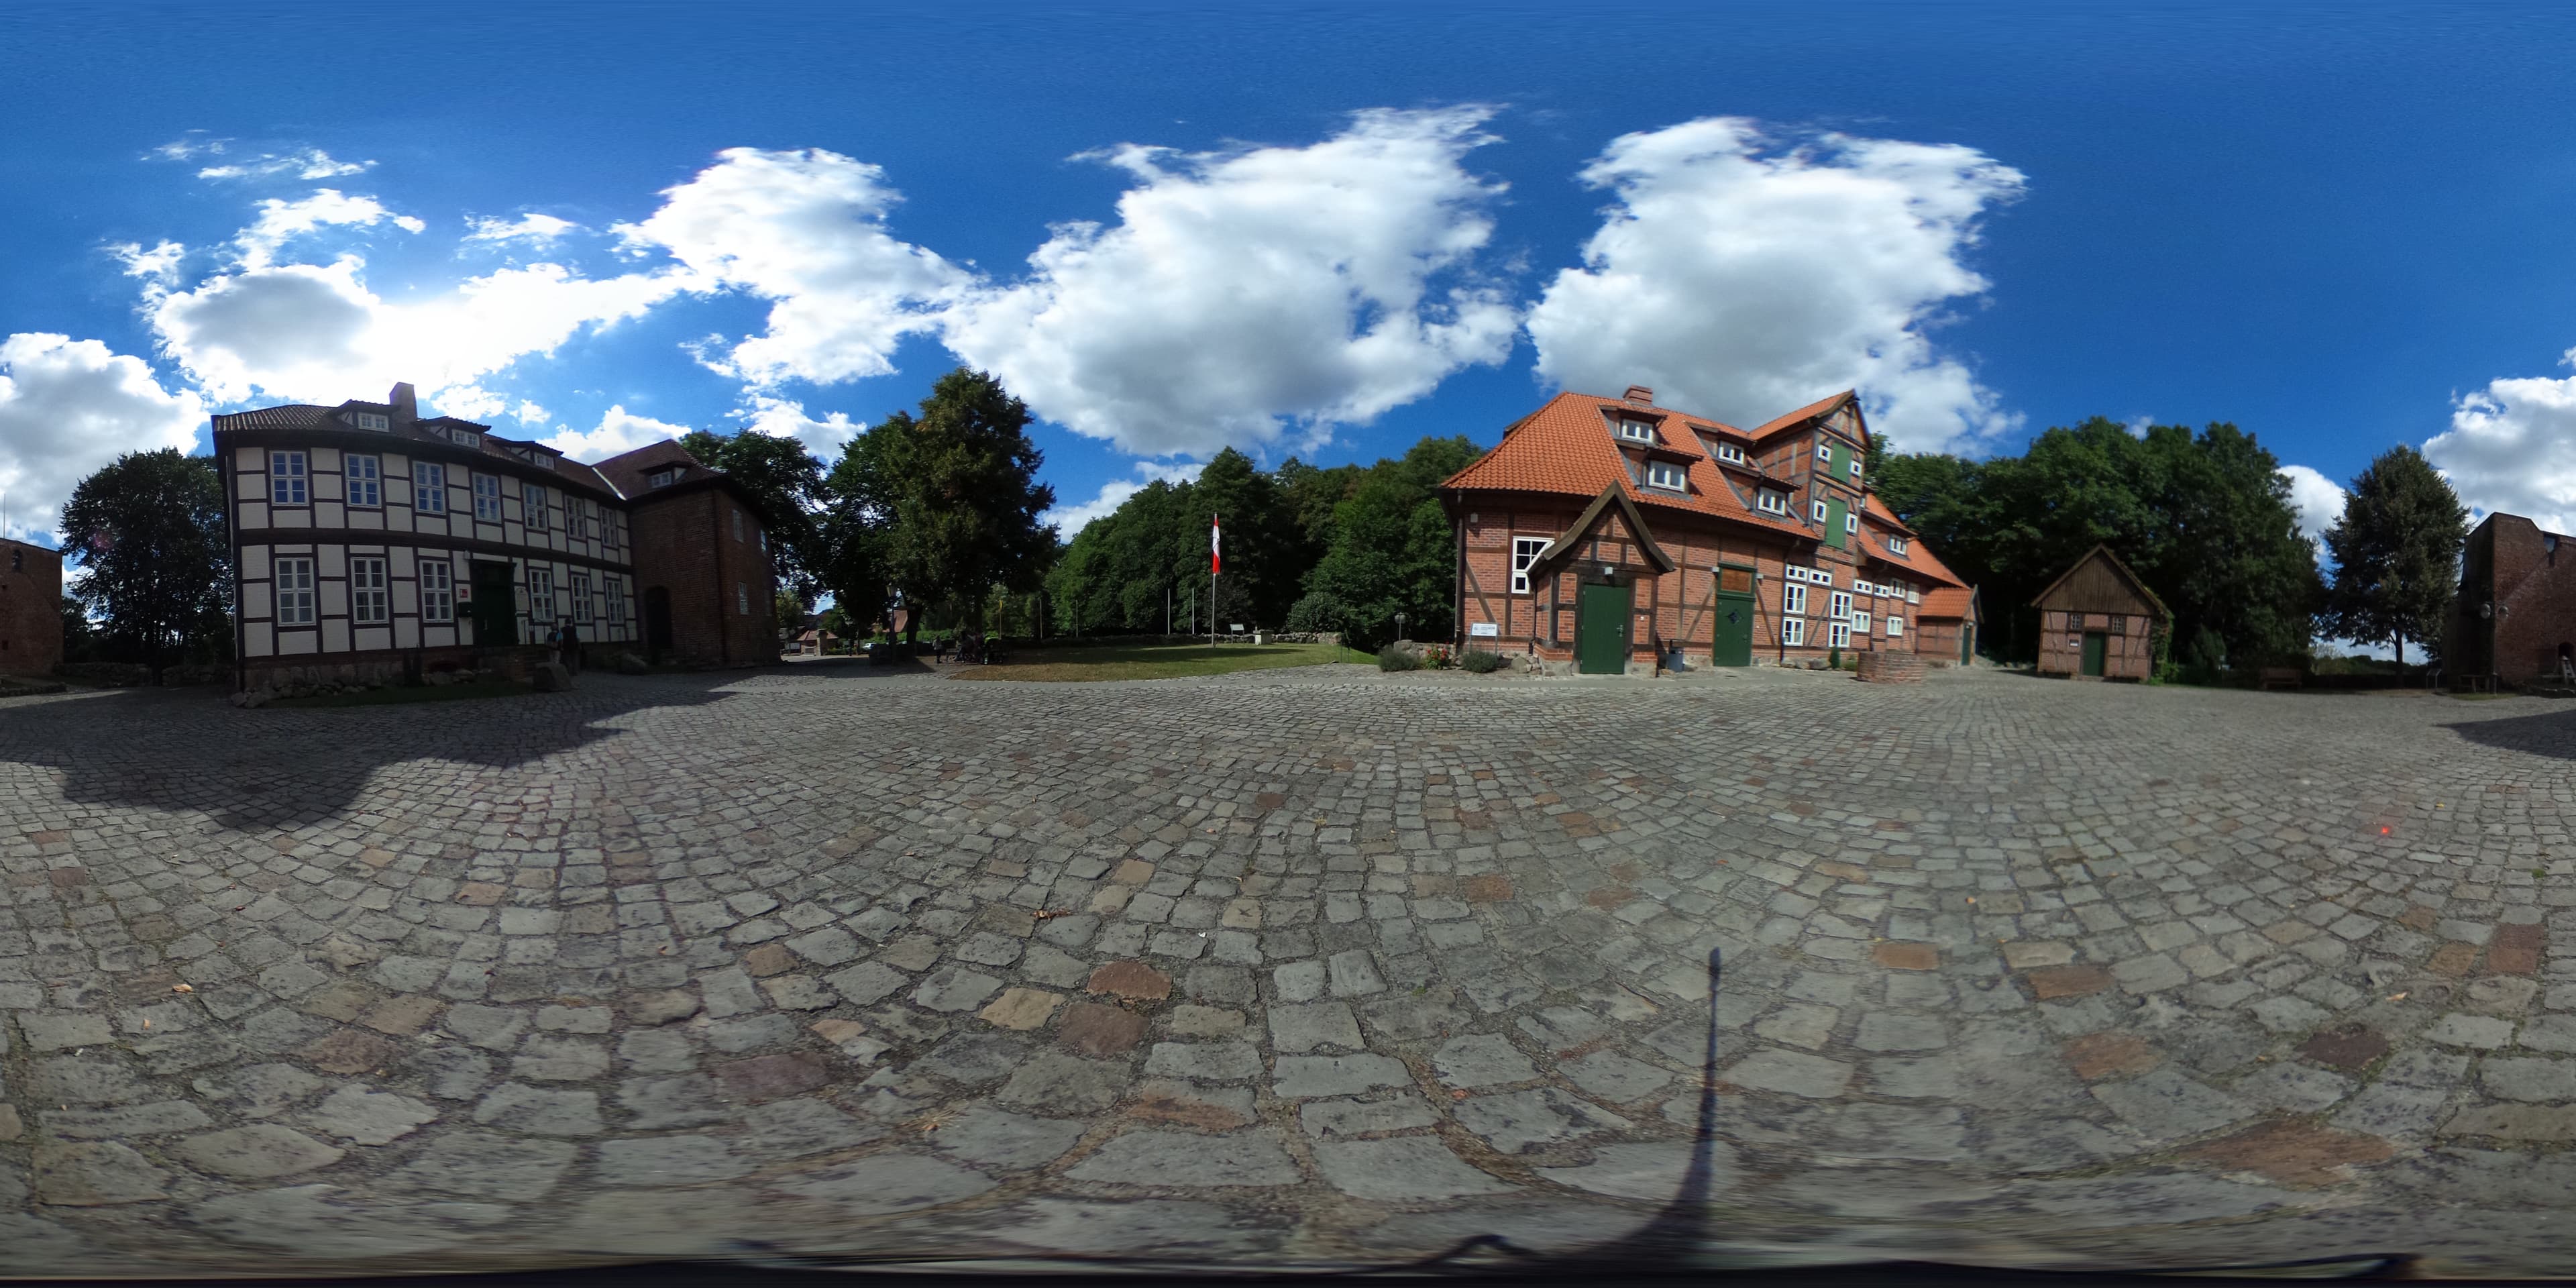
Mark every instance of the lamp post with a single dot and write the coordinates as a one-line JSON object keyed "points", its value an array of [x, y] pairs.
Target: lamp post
{"points": [[1399, 628]]}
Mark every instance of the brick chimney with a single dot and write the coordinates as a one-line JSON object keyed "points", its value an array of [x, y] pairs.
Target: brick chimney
{"points": [[1641, 395], [405, 404]]}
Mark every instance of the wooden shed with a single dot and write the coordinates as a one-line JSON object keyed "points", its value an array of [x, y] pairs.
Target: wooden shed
{"points": [[2098, 621]]}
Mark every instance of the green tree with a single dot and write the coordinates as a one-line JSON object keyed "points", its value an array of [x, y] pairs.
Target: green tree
{"points": [[148, 534], [853, 526], [1393, 549], [789, 482], [962, 500], [2397, 552]]}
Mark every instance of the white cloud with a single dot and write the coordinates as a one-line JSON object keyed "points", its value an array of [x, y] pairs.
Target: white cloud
{"points": [[806, 231], [304, 163], [2511, 448], [1071, 519], [529, 413], [68, 407], [618, 432], [1742, 279], [280, 220], [158, 267], [2316, 499], [1249, 295], [781, 418], [535, 229], [191, 144]]}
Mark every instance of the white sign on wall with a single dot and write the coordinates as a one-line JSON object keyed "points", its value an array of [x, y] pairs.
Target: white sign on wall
{"points": [[1485, 630]]}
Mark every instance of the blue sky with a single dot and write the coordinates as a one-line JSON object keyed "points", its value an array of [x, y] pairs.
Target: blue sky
{"points": [[1312, 229]]}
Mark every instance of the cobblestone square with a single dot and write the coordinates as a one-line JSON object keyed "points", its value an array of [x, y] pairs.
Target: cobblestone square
{"points": [[1313, 965]]}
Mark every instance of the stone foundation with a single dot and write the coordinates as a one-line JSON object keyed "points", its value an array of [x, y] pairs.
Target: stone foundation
{"points": [[1891, 666]]}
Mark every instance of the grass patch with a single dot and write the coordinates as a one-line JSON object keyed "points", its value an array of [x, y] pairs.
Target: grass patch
{"points": [[1156, 661], [395, 695]]}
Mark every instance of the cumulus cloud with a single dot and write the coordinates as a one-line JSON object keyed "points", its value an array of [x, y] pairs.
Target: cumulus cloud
{"points": [[2511, 448], [782, 418], [1742, 278], [535, 229], [1072, 519], [68, 407], [280, 221], [1248, 295], [2316, 499], [304, 163], [618, 432], [158, 267], [805, 230]]}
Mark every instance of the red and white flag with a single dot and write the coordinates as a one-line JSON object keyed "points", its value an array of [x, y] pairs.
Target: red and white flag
{"points": [[1216, 546]]}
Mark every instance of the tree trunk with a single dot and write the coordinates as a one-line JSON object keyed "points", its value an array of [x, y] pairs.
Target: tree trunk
{"points": [[2400, 635]]}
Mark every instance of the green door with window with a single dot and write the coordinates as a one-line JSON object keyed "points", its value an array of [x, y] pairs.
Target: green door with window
{"points": [[2096, 646], [1601, 630], [1733, 644], [496, 607], [1837, 514]]}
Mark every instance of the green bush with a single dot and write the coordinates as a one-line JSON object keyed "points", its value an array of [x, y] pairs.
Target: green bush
{"points": [[1834, 659], [1391, 658], [1316, 612], [1480, 662]]}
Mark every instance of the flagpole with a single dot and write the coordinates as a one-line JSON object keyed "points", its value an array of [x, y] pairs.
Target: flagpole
{"points": [[1216, 556]]}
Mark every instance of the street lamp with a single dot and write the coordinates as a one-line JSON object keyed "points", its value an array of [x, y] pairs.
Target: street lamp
{"points": [[1399, 627]]}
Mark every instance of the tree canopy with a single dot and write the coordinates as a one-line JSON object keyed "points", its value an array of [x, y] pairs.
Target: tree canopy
{"points": [[2397, 552], [2203, 518], [148, 534], [959, 495], [790, 484]]}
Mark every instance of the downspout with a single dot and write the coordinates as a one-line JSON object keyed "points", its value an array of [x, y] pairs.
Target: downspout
{"points": [[715, 537]]}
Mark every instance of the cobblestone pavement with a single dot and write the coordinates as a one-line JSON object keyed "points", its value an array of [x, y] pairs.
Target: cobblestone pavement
{"points": [[1313, 965]]}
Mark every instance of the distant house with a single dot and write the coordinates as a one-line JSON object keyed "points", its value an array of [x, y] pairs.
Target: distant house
{"points": [[2097, 620], [1614, 535], [2515, 616], [31, 609], [814, 641]]}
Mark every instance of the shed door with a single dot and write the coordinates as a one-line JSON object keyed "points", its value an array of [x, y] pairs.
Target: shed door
{"points": [[2096, 644], [1601, 630], [1733, 644]]}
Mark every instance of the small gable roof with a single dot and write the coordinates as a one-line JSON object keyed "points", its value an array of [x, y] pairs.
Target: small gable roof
{"points": [[1562, 549], [2096, 591]]}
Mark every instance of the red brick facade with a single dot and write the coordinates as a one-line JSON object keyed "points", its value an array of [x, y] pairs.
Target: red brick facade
{"points": [[1776, 522], [705, 549], [2516, 610], [31, 609]]}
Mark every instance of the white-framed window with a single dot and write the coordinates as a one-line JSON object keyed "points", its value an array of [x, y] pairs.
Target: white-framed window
{"points": [[1838, 634], [1793, 631], [487, 497], [1525, 551], [372, 420], [662, 478], [1664, 475], [581, 598], [428, 487], [1895, 626], [1731, 453], [437, 590], [741, 600], [1636, 431], [1860, 623], [465, 439], [1896, 544], [1821, 576], [1793, 601], [286, 479], [737, 524], [367, 602], [1855, 465], [1817, 509], [1839, 606], [1771, 501], [1824, 451], [366, 482], [532, 499], [294, 586], [542, 607], [1913, 594], [1851, 523], [616, 600]]}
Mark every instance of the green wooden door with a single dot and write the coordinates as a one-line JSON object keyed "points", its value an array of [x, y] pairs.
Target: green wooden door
{"points": [[1967, 643], [1601, 630], [1836, 515], [496, 609], [2096, 644], [1733, 643]]}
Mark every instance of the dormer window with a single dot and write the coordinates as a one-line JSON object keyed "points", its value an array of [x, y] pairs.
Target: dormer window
{"points": [[464, 439], [1730, 453], [662, 478], [1636, 431], [1771, 501], [1895, 544], [1660, 474], [373, 420]]}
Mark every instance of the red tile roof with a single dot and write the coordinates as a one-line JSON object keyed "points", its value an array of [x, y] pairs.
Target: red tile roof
{"points": [[1808, 413], [1946, 601], [1567, 447]]}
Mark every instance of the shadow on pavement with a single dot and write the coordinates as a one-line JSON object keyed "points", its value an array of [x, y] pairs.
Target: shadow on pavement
{"points": [[2551, 733]]}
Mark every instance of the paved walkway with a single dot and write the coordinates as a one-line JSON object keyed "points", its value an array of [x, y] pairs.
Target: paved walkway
{"points": [[1311, 965]]}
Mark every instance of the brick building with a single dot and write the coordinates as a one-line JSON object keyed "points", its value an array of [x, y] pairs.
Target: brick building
{"points": [[2097, 620], [371, 542], [1615, 535], [2515, 615], [31, 609]]}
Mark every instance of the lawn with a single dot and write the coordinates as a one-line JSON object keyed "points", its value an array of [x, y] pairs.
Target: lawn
{"points": [[393, 694], [1155, 661]]}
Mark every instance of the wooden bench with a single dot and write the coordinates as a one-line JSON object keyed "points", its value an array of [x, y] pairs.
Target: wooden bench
{"points": [[2277, 676]]}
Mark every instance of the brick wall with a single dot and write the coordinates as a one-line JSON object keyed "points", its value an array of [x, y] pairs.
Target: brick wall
{"points": [[2534, 593], [31, 609], [685, 543]]}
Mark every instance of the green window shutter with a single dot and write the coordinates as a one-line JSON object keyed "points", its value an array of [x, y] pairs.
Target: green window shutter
{"points": [[1835, 513]]}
